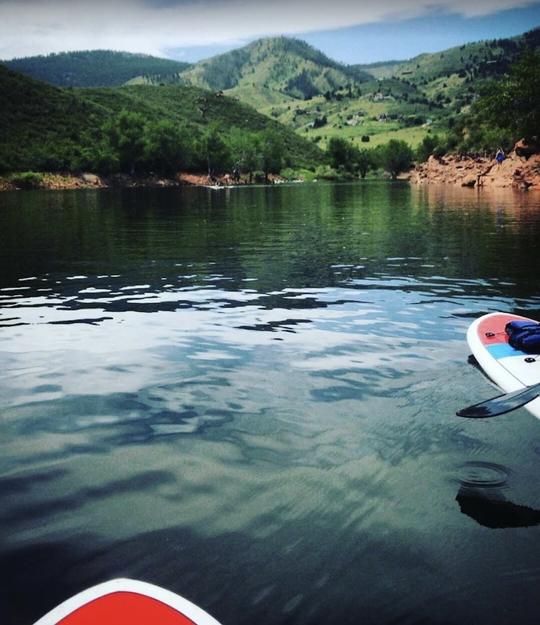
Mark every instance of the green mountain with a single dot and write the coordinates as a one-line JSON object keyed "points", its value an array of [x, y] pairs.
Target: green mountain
{"points": [[288, 67], [49, 128], [96, 68], [299, 86], [405, 99]]}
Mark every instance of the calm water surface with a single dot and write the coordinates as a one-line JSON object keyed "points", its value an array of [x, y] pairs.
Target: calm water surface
{"points": [[248, 397]]}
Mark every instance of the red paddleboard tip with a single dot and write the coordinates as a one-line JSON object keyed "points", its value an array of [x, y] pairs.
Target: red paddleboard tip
{"points": [[127, 602]]}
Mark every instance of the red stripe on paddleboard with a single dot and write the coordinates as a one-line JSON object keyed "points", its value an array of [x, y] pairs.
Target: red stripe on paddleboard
{"points": [[126, 608], [491, 330]]}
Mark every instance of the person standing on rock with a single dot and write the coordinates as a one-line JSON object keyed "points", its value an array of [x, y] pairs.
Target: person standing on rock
{"points": [[500, 156]]}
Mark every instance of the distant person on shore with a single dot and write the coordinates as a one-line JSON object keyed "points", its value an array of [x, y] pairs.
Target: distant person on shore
{"points": [[500, 156]]}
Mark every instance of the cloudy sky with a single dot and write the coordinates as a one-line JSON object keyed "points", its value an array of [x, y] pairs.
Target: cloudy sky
{"points": [[353, 31]]}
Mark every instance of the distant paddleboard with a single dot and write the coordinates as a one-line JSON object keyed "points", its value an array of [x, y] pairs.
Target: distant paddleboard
{"points": [[509, 368], [127, 602]]}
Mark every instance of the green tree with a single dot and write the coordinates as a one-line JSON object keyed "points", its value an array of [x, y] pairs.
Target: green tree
{"points": [[344, 156], [428, 146], [167, 147], [396, 157], [218, 154], [125, 135], [105, 159], [364, 162], [340, 153], [272, 152], [513, 104], [245, 151], [5, 164]]}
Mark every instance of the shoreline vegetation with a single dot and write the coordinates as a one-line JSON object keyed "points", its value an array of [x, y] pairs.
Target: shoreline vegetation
{"points": [[70, 181], [470, 171], [518, 169]]}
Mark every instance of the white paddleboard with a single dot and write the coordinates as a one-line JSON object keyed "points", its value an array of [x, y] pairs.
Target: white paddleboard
{"points": [[127, 602], [510, 369]]}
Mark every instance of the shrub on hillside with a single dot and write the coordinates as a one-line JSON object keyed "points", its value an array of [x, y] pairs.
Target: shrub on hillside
{"points": [[27, 180], [325, 172], [430, 145]]}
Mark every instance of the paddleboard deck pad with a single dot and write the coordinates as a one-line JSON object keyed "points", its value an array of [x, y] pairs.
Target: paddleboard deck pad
{"points": [[127, 602], [509, 368]]}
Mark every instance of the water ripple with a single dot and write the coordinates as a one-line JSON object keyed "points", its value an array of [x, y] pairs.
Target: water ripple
{"points": [[478, 474]]}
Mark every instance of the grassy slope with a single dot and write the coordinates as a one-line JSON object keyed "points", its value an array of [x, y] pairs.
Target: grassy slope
{"points": [[285, 79], [270, 74], [431, 87], [96, 68], [450, 71], [448, 81], [37, 118], [428, 66]]}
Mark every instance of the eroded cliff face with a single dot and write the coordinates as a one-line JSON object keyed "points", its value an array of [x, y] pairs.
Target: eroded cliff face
{"points": [[516, 171]]}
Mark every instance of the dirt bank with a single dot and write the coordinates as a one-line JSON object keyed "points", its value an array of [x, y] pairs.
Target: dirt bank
{"points": [[58, 182], [475, 172]]}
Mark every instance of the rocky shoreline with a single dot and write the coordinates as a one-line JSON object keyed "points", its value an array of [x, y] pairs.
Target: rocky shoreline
{"points": [[58, 182], [515, 171]]}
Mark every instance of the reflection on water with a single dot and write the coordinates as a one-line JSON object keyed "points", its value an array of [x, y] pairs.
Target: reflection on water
{"points": [[494, 511], [248, 396]]}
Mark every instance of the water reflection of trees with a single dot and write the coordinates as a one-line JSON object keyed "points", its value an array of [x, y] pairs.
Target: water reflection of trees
{"points": [[302, 236]]}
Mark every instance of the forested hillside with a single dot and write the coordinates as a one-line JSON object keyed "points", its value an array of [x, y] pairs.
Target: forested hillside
{"points": [[49, 128], [95, 68]]}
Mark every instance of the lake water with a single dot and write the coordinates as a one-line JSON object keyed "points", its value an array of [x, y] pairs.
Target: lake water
{"points": [[247, 396]]}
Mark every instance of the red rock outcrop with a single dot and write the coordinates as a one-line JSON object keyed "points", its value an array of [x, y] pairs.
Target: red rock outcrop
{"points": [[515, 171]]}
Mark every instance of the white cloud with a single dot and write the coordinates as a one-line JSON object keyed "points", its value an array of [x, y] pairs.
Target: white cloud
{"points": [[36, 26]]}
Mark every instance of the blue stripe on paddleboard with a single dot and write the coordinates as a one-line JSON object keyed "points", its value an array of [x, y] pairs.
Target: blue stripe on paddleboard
{"points": [[503, 350]]}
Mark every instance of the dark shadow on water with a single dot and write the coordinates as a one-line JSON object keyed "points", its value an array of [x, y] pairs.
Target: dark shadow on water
{"points": [[222, 574], [490, 508], [150, 480], [15, 485], [93, 322], [287, 325]]}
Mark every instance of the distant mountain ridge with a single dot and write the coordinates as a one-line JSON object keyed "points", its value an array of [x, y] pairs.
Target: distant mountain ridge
{"points": [[284, 65], [93, 68], [490, 57]]}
